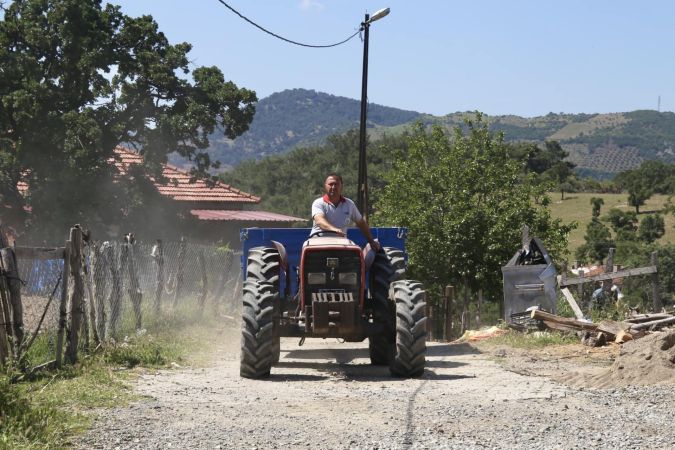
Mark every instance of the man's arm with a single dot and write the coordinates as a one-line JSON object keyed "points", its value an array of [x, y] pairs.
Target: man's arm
{"points": [[365, 229], [323, 223]]}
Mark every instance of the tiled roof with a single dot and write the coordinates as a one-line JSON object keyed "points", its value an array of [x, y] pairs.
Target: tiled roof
{"points": [[178, 186], [254, 216]]}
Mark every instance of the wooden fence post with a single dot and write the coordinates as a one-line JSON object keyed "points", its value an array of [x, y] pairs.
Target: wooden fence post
{"points": [[465, 308], [656, 288], [100, 284], [449, 299], [158, 255], [479, 305], [205, 282], [14, 285], [63, 313], [580, 291], [182, 249], [4, 323], [134, 288], [90, 295], [609, 268], [431, 315], [115, 297], [76, 312]]}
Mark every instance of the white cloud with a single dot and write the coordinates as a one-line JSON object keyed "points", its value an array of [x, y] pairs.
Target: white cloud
{"points": [[307, 5]]}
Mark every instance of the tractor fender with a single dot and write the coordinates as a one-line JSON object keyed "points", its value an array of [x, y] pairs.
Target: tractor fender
{"points": [[368, 256], [283, 256]]}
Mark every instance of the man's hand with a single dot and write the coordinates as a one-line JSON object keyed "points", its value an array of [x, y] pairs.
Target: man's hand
{"points": [[375, 245]]}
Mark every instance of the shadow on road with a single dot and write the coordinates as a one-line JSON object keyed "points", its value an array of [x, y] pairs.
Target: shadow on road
{"points": [[342, 355], [443, 364], [450, 349], [284, 377]]}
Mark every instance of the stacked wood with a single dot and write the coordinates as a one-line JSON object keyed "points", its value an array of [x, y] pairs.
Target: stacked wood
{"points": [[654, 324], [650, 322], [562, 323], [593, 334]]}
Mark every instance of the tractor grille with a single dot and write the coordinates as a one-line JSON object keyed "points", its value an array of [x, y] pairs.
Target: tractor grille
{"points": [[332, 297], [331, 289]]}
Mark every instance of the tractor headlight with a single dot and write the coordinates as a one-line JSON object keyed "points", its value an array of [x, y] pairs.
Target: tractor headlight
{"points": [[348, 278], [316, 278]]}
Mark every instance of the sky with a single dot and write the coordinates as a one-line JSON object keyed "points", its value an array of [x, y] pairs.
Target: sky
{"points": [[520, 57]]}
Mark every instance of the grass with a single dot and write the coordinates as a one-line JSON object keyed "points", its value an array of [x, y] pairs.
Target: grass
{"points": [[47, 410], [577, 207], [517, 339]]}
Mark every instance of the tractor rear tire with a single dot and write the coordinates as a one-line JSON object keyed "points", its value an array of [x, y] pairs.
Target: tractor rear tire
{"points": [[389, 266], [380, 349], [263, 265], [411, 346], [257, 330]]}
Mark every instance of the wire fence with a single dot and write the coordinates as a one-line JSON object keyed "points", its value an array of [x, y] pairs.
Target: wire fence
{"points": [[126, 286]]}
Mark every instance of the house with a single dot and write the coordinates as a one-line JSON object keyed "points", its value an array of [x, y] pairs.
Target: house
{"points": [[218, 211]]}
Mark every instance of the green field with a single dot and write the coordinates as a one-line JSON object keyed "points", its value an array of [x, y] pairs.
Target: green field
{"points": [[577, 206]]}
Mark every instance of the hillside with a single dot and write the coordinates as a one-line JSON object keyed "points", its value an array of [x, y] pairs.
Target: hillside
{"points": [[300, 117], [600, 145]]}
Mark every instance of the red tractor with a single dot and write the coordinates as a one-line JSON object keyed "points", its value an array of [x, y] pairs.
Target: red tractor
{"points": [[337, 290]]}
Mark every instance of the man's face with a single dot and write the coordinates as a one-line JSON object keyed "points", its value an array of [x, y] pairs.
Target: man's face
{"points": [[333, 188]]}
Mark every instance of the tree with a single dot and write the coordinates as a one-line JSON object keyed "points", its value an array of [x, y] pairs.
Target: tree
{"points": [[464, 202], [652, 227], [597, 203], [598, 242], [77, 79], [637, 187], [624, 224]]}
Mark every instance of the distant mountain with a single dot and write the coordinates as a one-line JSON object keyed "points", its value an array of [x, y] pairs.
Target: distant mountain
{"points": [[301, 117], [599, 144]]}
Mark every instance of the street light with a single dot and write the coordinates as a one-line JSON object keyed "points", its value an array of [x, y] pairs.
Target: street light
{"points": [[362, 196]]}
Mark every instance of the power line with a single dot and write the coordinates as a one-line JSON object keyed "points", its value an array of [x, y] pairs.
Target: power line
{"points": [[281, 37]]}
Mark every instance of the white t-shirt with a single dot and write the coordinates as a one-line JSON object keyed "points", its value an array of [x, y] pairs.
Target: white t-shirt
{"points": [[339, 216]]}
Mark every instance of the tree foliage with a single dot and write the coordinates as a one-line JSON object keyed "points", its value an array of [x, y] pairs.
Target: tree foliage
{"points": [[464, 201], [596, 203], [289, 183], [598, 242], [652, 177], [652, 227], [77, 79]]}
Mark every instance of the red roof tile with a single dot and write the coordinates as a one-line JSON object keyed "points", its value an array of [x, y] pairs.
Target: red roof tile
{"points": [[178, 186], [254, 216]]}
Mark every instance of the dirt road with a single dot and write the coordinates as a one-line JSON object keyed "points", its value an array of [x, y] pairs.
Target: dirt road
{"points": [[325, 395]]}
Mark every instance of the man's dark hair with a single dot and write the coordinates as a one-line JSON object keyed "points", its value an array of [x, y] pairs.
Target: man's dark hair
{"points": [[335, 175]]}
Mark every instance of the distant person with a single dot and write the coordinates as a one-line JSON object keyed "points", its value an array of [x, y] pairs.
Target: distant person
{"points": [[332, 213]]}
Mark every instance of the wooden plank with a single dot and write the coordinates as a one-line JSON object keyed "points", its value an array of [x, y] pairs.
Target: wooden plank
{"points": [[610, 276], [612, 327], [569, 323], [573, 303], [654, 323], [647, 317], [564, 327], [40, 253], [623, 336]]}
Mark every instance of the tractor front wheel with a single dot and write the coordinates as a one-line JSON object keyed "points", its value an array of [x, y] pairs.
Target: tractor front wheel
{"points": [[258, 339], [411, 346]]}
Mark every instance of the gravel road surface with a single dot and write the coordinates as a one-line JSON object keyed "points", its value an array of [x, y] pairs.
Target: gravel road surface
{"points": [[326, 395]]}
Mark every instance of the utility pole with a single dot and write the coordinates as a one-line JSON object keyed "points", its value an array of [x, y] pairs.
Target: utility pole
{"points": [[362, 195]]}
